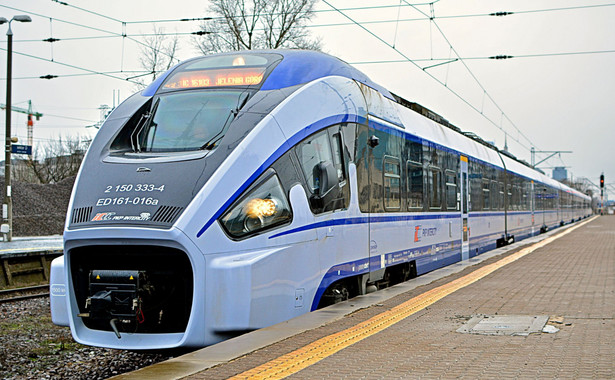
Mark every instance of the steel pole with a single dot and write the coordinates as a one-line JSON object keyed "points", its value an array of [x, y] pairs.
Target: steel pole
{"points": [[7, 207]]}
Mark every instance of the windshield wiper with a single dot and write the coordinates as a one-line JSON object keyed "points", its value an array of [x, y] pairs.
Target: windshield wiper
{"points": [[141, 125], [211, 143]]}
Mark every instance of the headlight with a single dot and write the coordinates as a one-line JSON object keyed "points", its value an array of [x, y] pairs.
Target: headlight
{"points": [[263, 206], [258, 208]]}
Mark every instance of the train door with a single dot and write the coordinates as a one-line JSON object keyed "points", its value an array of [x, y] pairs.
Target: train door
{"points": [[331, 177], [532, 205], [376, 155], [465, 200], [559, 203], [385, 201]]}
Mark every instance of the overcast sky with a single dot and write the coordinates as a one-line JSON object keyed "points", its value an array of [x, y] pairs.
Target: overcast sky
{"points": [[556, 94]]}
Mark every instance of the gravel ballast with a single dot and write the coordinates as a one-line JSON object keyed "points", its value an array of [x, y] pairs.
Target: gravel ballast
{"points": [[32, 347], [39, 210]]}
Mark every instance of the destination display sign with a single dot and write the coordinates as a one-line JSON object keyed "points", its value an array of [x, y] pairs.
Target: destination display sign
{"points": [[240, 76]]}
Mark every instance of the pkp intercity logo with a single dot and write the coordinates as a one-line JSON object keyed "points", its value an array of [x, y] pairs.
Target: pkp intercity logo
{"points": [[108, 216], [421, 232], [102, 216]]}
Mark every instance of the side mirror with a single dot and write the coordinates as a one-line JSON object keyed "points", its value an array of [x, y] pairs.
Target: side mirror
{"points": [[325, 178]]}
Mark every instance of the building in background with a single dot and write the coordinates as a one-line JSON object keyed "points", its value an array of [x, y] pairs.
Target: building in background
{"points": [[560, 173]]}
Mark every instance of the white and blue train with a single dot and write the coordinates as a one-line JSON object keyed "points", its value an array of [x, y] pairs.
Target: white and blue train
{"points": [[240, 190]]}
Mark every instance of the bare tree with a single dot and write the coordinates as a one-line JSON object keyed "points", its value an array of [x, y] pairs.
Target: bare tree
{"points": [[51, 163], [257, 24], [158, 54]]}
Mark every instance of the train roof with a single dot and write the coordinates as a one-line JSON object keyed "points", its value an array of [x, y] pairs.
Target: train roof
{"points": [[295, 67]]}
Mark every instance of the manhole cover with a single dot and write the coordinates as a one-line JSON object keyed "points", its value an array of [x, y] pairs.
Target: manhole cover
{"points": [[504, 324]]}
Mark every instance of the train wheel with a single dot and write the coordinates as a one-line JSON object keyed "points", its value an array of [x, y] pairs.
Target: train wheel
{"points": [[337, 292]]}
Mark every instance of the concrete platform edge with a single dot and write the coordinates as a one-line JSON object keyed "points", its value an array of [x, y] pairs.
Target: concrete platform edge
{"points": [[231, 349]]}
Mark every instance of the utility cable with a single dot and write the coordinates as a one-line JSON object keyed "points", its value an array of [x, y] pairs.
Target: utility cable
{"points": [[86, 10], [89, 27], [72, 66], [475, 78], [49, 76], [68, 117], [60, 20], [496, 57], [397, 21], [408, 59], [485, 93], [492, 14]]}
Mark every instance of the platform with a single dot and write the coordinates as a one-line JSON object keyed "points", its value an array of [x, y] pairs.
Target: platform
{"points": [[26, 261], [24, 244], [542, 308]]}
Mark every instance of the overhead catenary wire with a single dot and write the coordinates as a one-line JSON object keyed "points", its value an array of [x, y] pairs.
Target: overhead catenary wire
{"points": [[46, 114], [398, 6], [377, 7], [431, 17], [485, 92], [219, 17], [500, 13], [55, 140], [516, 56], [72, 66], [81, 74], [397, 20], [53, 40], [69, 117], [408, 59], [59, 20], [397, 23], [380, 7], [117, 35], [86, 10], [91, 28]]}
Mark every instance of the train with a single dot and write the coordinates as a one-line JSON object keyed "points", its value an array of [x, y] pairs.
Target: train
{"points": [[243, 189]]}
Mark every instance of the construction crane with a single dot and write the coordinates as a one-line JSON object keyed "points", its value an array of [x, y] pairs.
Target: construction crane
{"points": [[30, 114]]}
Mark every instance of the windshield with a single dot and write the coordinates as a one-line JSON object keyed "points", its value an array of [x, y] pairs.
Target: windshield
{"points": [[184, 121]]}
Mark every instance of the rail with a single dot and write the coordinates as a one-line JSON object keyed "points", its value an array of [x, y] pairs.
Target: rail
{"points": [[23, 293]]}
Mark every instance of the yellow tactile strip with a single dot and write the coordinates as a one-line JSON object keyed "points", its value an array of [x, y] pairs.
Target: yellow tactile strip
{"points": [[312, 353]]}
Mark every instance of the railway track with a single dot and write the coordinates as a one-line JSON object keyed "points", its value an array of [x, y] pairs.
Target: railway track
{"points": [[24, 293], [22, 270]]}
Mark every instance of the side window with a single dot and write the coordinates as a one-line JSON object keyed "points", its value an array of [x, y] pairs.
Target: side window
{"points": [[434, 179], [323, 159], [392, 183], [311, 153], [415, 185], [451, 190], [494, 195], [486, 195], [338, 156], [465, 202]]}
